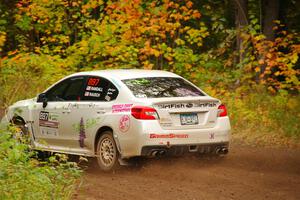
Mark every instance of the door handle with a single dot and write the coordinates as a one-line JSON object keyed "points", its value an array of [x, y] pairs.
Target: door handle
{"points": [[66, 111], [101, 111]]}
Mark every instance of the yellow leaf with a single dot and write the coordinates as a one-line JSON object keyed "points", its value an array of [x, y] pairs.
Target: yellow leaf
{"points": [[261, 61], [189, 4], [156, 52], [271, 89]]}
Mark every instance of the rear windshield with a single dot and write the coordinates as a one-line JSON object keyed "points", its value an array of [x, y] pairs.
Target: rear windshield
{"points": [[158, 87]]}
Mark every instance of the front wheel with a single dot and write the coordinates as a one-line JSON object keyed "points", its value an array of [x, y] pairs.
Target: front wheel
{"points": [[22, 134], [107, 152]]}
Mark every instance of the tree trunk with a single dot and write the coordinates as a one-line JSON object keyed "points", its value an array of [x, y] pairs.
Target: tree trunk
{"points": [[270, 13], [241, 20]]}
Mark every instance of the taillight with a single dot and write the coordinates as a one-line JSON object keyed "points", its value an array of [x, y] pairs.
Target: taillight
{"points": [[143, 112], [222, 111]]}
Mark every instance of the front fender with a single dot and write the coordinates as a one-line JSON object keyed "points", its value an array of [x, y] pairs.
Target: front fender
{"points": [[20, 109]]}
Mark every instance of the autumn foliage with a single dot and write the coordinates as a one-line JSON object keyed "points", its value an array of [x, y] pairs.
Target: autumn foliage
{"points": [[274, 62], [44, 40]]}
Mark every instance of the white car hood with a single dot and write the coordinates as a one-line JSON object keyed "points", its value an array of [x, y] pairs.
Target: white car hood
{"points": [[22, 103]]}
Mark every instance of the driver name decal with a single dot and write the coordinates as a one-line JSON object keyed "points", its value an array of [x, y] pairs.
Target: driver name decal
{"points": [[91, 88], [91, 94]]}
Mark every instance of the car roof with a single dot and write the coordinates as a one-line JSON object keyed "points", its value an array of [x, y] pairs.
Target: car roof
{"points": [[122, 74]]}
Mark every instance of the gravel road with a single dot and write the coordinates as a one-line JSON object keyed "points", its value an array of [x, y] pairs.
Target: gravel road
{"points": [[245, 173]]}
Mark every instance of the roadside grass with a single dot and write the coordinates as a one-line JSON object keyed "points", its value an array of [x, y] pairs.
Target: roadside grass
{"points": [[260, 118], [23, 176]]}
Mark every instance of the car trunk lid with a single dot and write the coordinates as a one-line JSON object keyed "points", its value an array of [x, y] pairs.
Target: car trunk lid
{"points": [[187, 112]]}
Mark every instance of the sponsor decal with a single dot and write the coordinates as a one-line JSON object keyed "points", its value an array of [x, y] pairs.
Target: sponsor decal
{"points": [[82, 135], [141, 96], [110, 93], [121, 108], [169, 135], [187, 105], [107, 98], [124, 123], [88, 123], [111, 90], [47, 119], [48, 123]]}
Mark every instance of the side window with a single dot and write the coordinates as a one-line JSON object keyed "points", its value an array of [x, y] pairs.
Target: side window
{"points": [[56, 93], [74, 89], [99, 89], [68, 90]]}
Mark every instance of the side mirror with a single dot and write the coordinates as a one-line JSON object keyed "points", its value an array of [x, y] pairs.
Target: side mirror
{"points": [[42, 98]]}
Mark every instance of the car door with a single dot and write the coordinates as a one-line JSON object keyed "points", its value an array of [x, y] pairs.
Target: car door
{"points": [[49, 121], [86, 114], [68, 115]]}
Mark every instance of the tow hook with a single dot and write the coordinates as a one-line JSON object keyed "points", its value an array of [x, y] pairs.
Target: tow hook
{"points": [[168, 144]]}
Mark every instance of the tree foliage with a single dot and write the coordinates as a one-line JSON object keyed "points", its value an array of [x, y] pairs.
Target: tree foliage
{"points": [[44, 40]]}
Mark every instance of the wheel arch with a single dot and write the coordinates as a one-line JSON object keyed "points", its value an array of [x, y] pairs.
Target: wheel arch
{"points": [[100, 132], [17, 120]]}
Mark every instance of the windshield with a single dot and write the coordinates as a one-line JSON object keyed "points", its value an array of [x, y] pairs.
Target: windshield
{"points": [[157, 87]]}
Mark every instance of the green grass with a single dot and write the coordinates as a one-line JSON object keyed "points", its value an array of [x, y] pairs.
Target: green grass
{"points": [[23, 176], [264, 118]]}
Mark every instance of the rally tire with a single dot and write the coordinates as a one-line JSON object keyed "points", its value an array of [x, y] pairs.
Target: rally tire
{"points": [[107, 153]]}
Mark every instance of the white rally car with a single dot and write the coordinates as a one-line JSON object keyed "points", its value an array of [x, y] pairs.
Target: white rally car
{"points": [[118, 114]]}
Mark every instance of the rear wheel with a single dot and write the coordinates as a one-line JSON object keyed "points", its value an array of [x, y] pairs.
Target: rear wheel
{"points": [[107, 152]]}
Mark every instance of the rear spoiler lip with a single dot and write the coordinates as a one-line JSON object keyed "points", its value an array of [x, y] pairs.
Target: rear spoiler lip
{"points": [[182, 99]]}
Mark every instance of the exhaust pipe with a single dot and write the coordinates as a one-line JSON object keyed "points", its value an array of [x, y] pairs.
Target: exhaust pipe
{"points": [[154, 153], [218, 151], [162, 153], [224, 150], [221, 150], [157, 153]]}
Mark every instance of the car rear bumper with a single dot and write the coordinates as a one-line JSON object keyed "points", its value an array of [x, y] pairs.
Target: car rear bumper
{"points": [[178, 150], [150, 136]]}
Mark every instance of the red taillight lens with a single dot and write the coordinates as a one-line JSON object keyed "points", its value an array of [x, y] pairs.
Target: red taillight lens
{"points": [[222, 111], [143, 112]]}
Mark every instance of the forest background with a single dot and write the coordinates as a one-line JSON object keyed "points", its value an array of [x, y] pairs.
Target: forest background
{"points": [[245, 52]]}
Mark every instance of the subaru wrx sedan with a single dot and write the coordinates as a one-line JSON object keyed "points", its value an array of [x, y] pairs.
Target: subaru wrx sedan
{"points": [[118, 114]]}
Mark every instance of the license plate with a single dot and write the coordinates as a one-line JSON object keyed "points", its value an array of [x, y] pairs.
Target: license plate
{"points": [[189, 119]]}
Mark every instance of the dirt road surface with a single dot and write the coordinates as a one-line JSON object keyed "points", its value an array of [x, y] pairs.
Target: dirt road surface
{"points": [[245, 173]]}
